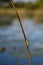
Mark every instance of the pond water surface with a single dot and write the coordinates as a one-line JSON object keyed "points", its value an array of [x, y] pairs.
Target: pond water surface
{"points": [[12, 38]]}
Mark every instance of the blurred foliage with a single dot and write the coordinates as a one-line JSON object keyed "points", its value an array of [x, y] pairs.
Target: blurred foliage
{"points": [[29, 5], [20, 4], [36, 5], [4, 0], [39, 4]]}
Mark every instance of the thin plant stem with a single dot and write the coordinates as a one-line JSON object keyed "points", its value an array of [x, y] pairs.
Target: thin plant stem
{"points": [[26, 41]]}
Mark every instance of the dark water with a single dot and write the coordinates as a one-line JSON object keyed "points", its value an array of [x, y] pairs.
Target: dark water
{"points": [[12, 38]]}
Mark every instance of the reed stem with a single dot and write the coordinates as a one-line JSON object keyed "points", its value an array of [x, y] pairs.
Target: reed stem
{"points": [[26, 41]]}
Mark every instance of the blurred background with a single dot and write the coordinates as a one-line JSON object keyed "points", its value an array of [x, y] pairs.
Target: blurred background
{"points": [[12, 45]]}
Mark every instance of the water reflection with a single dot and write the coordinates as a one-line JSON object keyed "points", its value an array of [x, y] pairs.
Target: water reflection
{"points": [[12, 38]]}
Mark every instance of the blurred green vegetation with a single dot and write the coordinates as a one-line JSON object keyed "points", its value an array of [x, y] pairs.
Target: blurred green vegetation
{"points": [[28, 5], [36, 5], [29, 9], [20, 4], [4, 0]]}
